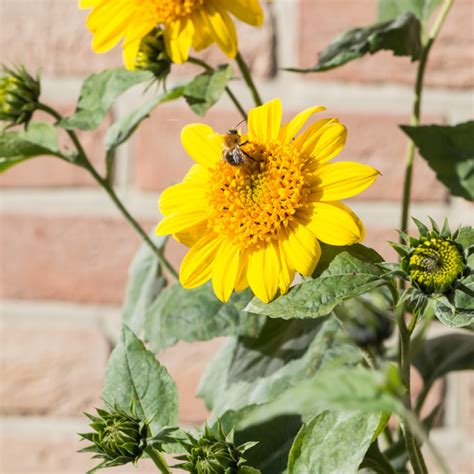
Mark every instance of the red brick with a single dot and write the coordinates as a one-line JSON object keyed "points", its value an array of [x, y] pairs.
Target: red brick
{"points": [[53, 172], [186, 363], [450, 63], [375, 139], [49, 378], [81, 259], [65, 48]]}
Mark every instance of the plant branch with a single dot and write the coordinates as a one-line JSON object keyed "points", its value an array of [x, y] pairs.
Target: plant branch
{"points": [[415, 119], [103, 182], [159, 460], [233, 98], [244, 69]]}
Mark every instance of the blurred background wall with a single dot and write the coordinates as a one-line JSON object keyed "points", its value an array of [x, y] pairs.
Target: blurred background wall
{"points": [[65, 250]]}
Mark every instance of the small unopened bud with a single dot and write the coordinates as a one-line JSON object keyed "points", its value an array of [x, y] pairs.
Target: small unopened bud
{"points": [[152, 55], [118, 437], [19, 94], [214, 453]]}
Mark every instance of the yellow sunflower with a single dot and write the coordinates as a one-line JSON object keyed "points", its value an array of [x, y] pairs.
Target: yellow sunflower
{"points": [[258, 223], [186, 23]]}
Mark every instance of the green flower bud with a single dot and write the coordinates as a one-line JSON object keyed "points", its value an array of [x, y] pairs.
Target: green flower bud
{"points": [[214, 453], [118, 437], [19, 94], [152, 55]]}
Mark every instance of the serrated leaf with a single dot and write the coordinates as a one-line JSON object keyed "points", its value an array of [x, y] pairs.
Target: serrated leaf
{"points": [[402, 36], [145, 282], [256, 370], [133, 375], [39, 139], [348, 273], [98, 94], [389, 9], [121, 130], [449, 150], [179, 314], [440, 355], [332, 442], [207, 88]]}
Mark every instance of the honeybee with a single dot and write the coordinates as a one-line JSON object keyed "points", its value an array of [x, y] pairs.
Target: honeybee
{"points": [[231, 148]]}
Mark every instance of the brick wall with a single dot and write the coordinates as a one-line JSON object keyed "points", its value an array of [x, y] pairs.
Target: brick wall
{"points": [[65, 250]]}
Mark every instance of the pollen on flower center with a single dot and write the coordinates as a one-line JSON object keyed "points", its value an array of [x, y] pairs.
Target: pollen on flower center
{"points": [[252, 202], [435, 264], [170, 10]]}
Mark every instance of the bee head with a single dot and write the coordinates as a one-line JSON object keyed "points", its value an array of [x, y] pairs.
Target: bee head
{"points": [[232, 131]]}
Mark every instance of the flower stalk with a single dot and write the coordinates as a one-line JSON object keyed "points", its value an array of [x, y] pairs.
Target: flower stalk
{"points": [[245, 70]]}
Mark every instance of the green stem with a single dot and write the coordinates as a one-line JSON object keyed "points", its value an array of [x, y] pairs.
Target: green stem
{"points": [[85, 162], [159, 460], [415, 119], [244, 69], [233, 98], [414, 454]]}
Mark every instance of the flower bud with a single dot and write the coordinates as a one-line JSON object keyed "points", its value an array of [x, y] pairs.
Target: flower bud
{"points": [[152, 55], [19, 94], [214, 453], [118, 438]]}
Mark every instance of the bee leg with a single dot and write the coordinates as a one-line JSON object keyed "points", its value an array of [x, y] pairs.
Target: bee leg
{"points": [[248, 156]]}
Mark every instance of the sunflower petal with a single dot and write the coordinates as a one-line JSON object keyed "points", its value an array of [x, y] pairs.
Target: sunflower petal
{"points": [[337, 181], [241, 282], [190, 236], [263, 272], [248, 11], [178, 222], [179, 38], [302, 249], [287, 273], [221, 27], [182, 197], [225, 270], [202, 144], [264, 121], [335, 224], [196, 267], [289, 131]]}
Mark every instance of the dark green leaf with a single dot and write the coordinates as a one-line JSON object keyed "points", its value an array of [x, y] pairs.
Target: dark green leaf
{"points": [[444, 354], [179, 314], [257, 370], [390, 9], [402, 36], [347, 273], [332, 442], [98, 94], [449, 150], [133, 375], [145, 281], [206, 89], [40, 138], [121, 130]]}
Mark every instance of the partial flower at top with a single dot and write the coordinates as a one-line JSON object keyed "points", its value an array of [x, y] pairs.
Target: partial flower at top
{"points": [[257, 223], [186, 24]]}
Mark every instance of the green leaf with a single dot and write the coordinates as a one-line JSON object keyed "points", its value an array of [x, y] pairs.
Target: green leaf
{"points": [[145, 282], [332, 442], [449, 150], [402, 36], [340, 388], [206, 89], [40, 138], [347, 273], [256, 370], [121, 130], [465, 238], [133, 375], [444, 354], [179, 314], [389, 9], [98, 94], [274, 437]]}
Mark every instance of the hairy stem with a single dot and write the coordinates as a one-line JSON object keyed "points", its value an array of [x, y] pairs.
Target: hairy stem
{"points": [[244, 69], [159, 460], [85, 163], [232, 96], [415, 119]]}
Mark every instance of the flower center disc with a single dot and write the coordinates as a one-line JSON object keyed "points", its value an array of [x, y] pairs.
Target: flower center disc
{"points": [[170, 10], [435, 264], [250, 203]]}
